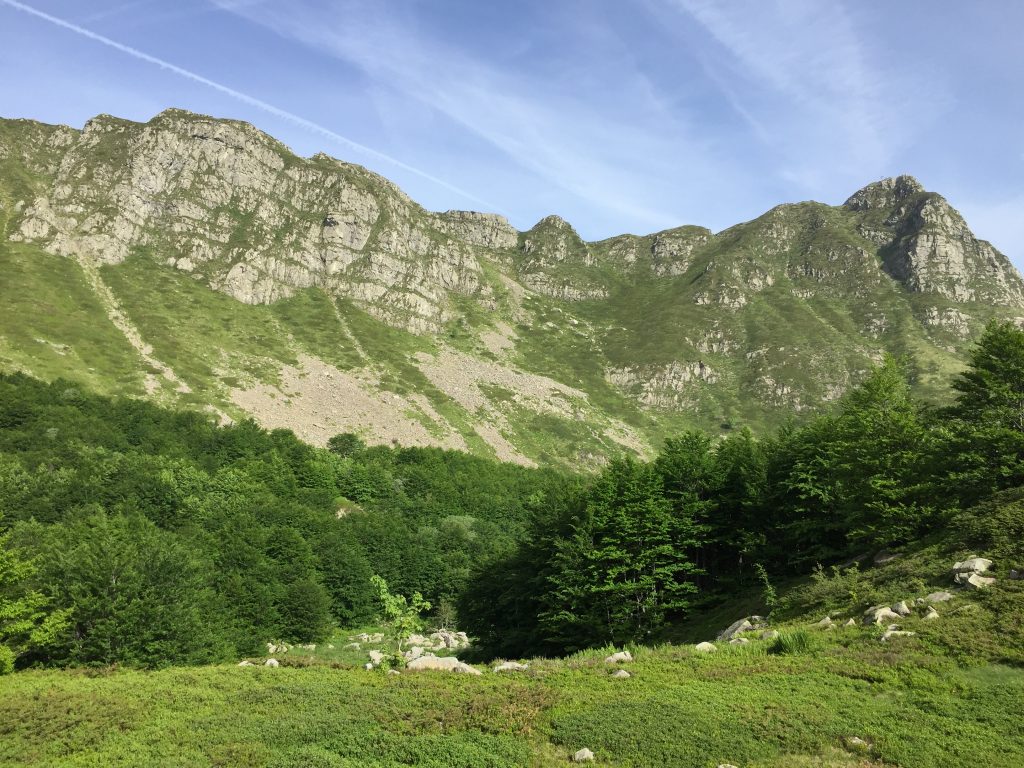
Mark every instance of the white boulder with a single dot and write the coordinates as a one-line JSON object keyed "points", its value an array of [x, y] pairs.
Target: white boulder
{"points": [[705, 647], [442, 664], [974, 580], [619, 658], [511, 666], [583, 756], [973, 565], [271, 663]]}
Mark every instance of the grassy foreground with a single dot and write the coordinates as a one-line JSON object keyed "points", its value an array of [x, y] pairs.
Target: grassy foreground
{"points": [[741, 705]]}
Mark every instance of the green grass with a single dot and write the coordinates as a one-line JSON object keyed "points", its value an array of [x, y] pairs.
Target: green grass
{"points": [[53, 325], [741, 705]]}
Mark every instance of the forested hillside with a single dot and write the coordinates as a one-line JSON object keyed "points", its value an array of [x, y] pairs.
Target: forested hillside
{"points": [[157, 537]]}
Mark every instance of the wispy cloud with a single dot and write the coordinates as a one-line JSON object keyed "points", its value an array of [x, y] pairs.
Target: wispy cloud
{"points": [[801, 74], [609, 157], [245, 98]]}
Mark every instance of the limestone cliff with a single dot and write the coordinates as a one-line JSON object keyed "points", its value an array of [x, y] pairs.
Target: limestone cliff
{"points": [[359, 310]]}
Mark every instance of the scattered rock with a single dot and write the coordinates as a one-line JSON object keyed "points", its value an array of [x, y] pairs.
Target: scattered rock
{"points": [[973, 565], [735, 628], [726, 765], [512, 666], [769, 634], [880, 614], [890, 633], [271, 663], [850, 623], [825, 623], [621, 674], [974, 580], [884, 557], [367, 666], [856, 744], [619, 658], [583, 756], [739, 641], [376, 657], [1016, 575], [705, 647], [939, 597], [393, 672], [246, 663], [353, 647], [931, 614], [414, 653], [442, 664], [901, 608]]}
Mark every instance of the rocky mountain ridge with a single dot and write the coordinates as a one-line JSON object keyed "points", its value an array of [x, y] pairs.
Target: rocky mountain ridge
{"points": [[530, 345]]}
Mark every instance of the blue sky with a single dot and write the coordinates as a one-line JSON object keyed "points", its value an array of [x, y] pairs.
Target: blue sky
{"points": [[619, 115]]}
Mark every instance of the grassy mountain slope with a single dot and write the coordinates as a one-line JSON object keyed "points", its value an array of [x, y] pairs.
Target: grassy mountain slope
{"points": [[200, 262]]}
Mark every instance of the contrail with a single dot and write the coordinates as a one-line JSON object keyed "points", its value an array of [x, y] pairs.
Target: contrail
{"points": [[245, 98]]}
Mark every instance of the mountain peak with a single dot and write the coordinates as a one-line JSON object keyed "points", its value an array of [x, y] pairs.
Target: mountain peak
{"points": [[884, 194]]}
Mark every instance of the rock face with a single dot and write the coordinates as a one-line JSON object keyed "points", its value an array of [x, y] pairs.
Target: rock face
{"points": [[928, 247], [633, 329], [225, 202]]}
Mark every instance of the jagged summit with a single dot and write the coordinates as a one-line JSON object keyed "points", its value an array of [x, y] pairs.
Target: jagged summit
{"points": [[884, 194], [453, 328]]}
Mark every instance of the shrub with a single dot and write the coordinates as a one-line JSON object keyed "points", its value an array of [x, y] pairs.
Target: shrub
{"points": [[797, 641]]}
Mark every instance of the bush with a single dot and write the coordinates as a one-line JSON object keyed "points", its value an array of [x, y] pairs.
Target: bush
{"points": [[797, 641], [996, 526]]}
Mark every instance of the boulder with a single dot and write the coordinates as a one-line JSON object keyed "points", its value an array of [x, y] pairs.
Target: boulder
{"points": [[619, 658], [890, 633], [583, 756], [271, 663], [901, 608], [850, 623], [1016, 575], [931, 614], [367, 666], [974, 580], [856, 744], [418, 640], [442, 664], [825, 623], [353, 647], [938, 597], [739, 641], [769, 634], [972, 565], [621, 674], [726, 765], [511, 666], [414, 653], [393, 672], [246, 663], [884, 557], [376, 657], [705, 647], [735, 628], [880, 614]]}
